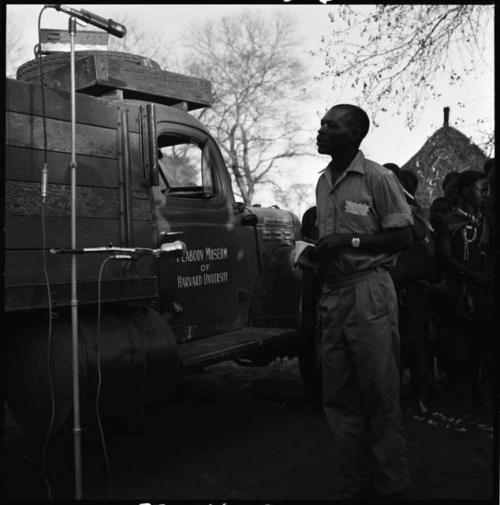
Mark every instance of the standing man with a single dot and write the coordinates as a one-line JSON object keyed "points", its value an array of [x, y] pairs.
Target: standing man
{"points": [[363, 221]]}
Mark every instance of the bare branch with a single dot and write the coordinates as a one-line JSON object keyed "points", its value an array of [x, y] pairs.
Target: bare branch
{"points": [[396, 53], [256, 76]]}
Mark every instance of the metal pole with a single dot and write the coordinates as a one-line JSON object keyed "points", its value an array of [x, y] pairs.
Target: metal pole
{"points": [[77, 431]]}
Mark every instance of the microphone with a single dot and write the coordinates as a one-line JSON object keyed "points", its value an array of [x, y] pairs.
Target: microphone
{"points": [[110, 26]]}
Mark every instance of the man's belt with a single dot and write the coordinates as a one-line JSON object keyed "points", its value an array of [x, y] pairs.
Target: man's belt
{"points": [[348, 279]]}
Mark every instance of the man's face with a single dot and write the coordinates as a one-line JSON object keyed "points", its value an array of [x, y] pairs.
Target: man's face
{"points": [[337, 132], [476, 195]]}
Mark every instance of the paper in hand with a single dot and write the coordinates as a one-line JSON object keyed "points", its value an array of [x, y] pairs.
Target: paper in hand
{"points": [[302, 254]]}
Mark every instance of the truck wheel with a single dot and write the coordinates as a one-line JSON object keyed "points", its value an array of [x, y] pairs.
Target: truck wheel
{"points": [[30, 71], [309, 345]]}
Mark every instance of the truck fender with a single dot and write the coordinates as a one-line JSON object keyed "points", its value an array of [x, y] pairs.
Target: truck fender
{"points": [[275, 298]]}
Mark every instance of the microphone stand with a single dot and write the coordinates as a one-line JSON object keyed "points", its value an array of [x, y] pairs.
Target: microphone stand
{"points": [[77, 430], [118, 31]]}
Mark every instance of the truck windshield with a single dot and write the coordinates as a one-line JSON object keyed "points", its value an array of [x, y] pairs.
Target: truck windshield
{"points": [[185, 167]]}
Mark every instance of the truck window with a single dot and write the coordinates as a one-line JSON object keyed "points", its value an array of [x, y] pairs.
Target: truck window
{"points": [[185, 167]]}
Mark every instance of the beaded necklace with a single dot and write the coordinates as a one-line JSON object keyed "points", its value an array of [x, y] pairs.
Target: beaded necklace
{"points": [[470, 229]]}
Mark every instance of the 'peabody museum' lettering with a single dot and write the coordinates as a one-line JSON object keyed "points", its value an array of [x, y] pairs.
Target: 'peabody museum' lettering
{"points": [[207, 254], [204, 277]]}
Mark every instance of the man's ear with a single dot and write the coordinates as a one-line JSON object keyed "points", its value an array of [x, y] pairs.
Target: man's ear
{"points": [[356, 136]]}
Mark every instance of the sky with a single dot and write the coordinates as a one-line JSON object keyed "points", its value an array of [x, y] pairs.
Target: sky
{"points": [[390, 141]]}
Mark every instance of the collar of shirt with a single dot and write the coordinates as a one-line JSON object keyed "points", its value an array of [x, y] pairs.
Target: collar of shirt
{"points": [[357, 165]]}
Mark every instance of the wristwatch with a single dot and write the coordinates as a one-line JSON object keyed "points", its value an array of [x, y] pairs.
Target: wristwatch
{"points": [[355, 242]]}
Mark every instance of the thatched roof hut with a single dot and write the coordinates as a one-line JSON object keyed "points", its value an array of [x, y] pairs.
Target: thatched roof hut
{"points": [[445, 151]]}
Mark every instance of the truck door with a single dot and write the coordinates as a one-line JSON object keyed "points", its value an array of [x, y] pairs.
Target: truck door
{"points": [[207, 288]]}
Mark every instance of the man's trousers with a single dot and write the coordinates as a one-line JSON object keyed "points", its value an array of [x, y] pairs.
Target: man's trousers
{"points": [[360, 362]]}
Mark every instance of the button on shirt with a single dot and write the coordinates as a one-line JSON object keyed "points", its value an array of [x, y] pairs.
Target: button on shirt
{"points": [[366, 199]]}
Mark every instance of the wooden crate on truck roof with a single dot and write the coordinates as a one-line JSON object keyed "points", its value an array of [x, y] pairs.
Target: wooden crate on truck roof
{"points": [[133, 77]]}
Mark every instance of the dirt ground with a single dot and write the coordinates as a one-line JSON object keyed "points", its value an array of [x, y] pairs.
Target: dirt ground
{"points": [[238, 433]]}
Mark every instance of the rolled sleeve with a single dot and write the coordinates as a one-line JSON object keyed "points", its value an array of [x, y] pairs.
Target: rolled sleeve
{"points": [[390, 203], [396, 221]]}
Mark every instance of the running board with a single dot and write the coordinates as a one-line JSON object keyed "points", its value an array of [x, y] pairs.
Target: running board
{"points": [[235, 344]]}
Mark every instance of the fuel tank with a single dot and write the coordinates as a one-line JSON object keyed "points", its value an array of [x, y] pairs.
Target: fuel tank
{"points": [[134, 356]]}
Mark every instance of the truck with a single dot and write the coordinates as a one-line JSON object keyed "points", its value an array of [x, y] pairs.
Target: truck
{"points": [[149, 176]]}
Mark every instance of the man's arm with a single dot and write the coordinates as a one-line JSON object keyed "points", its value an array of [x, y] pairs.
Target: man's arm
{"points": [[387, 241]]}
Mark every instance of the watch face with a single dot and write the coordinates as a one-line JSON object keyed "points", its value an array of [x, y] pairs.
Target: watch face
{"points": [[355, 242]]}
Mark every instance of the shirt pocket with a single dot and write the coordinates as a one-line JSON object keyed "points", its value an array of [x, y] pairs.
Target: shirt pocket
{"points": [[357, 216]]}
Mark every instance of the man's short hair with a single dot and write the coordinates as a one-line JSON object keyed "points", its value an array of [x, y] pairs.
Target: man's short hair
{"points": [[358, 115], [393, 167], [489, 164], [468, 178], [448, 177], [409, 180]]}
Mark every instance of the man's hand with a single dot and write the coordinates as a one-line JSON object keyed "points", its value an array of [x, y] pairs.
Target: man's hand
{"points": [[331, 243]]}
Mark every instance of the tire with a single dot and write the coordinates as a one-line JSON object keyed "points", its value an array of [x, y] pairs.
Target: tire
{"points": [[309, 345], [29, 71]]}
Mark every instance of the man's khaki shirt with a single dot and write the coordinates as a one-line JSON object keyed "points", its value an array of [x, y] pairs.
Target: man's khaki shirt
{"points": [[366, 199]]}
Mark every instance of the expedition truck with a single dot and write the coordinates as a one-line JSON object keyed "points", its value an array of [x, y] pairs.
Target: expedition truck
{"points": [[148, 174]]}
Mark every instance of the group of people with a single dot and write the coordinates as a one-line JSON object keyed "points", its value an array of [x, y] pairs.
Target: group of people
{"points": [[389, 275], [445, 290]]}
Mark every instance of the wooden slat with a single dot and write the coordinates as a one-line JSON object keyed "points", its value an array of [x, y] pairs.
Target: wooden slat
{"points": [[26, 98], [162, 84], [25, 164], [26, 268], [23, 199], [35, 297], [23, 130], [25, 232]]}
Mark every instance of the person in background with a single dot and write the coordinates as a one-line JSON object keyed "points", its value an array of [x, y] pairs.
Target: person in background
{"points": [[489, 172], [489, 209], [438, 294], [363, 222], [415, 269], [393, 167], [451, 188], [309, 230], [464, 241], [445, 204], [309, 344]]}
